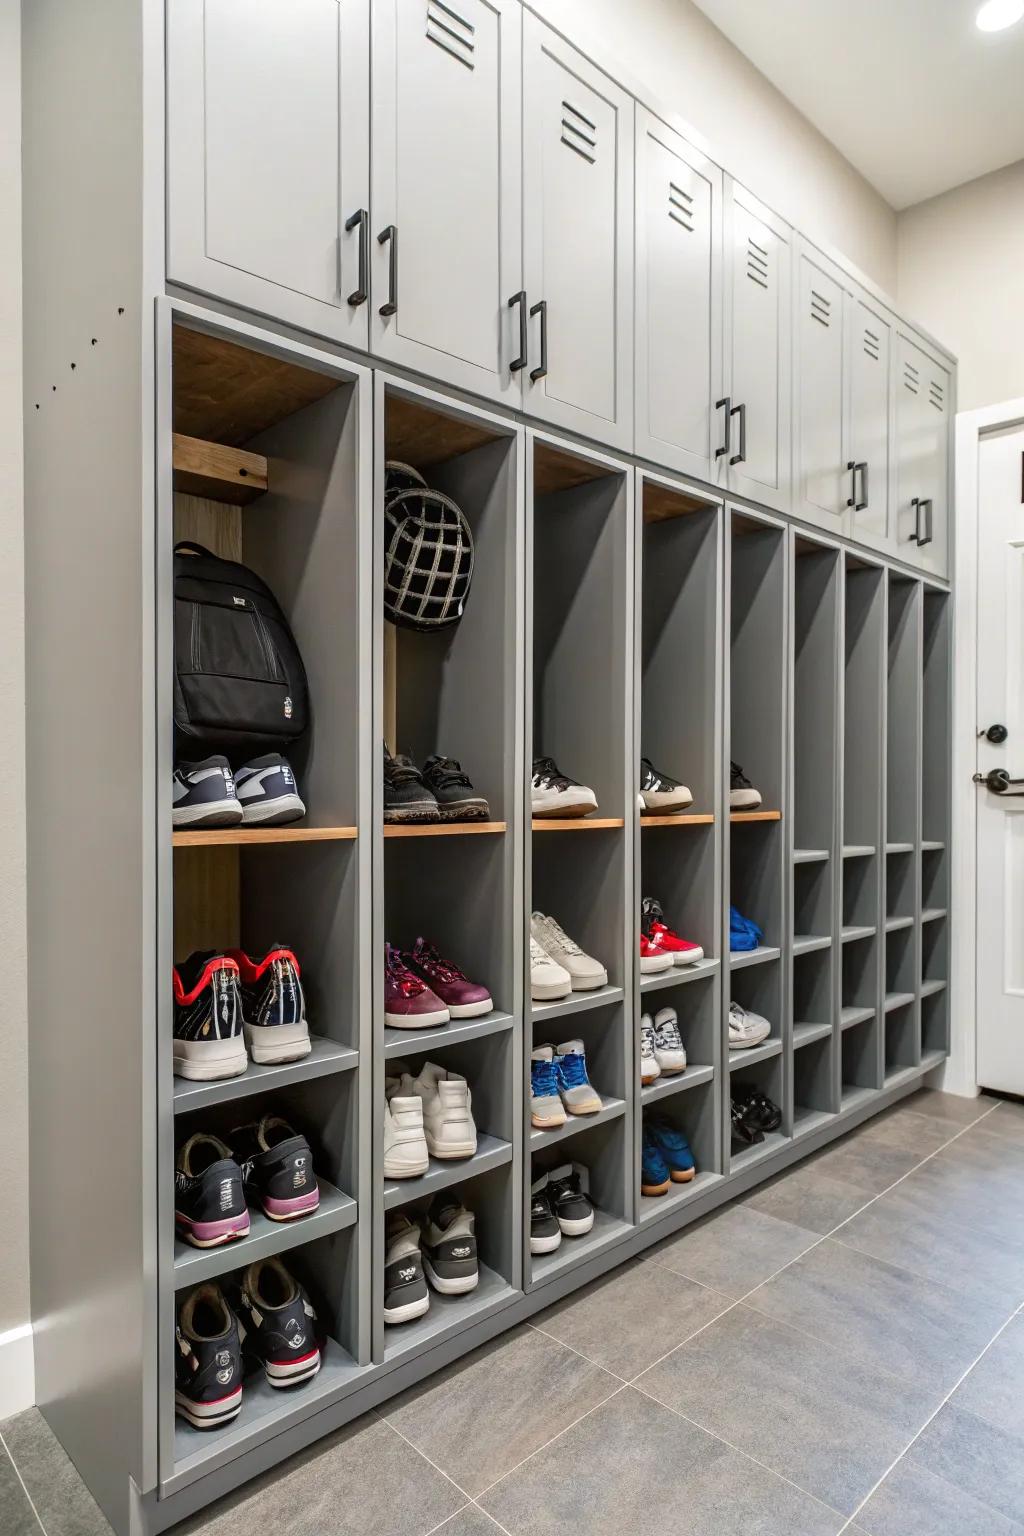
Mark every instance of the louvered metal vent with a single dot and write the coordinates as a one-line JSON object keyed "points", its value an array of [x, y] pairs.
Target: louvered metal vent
{"points": [[680, 206], [911, 378], [757, 263], [578, 132], [872, 344], [821, 309], [451, 32], [936, 394]]}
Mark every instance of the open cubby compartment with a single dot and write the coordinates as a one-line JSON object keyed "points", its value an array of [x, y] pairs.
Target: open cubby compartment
{"points": [[698, 1009], [860, 1063], [814, 1086], [934, 1025], [903, 712], [813, 903], [861, 895], [902, 1041], [681, 871], [935, 950], [602, 1155], [934, 879], [769, 1076], [759, 989], [604, 1042], [859, 978], [696, 1115], [817, 695], [901, 968], [936, 701], [813, 994], [863, 724], [900, 887]]}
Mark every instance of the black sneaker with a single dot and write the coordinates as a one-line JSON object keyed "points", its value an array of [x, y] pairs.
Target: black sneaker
{"points": [[572, 1208], [660, 794], [203, 795], [209, 1198], [759, 1110], [545, 1233], [279, 1324], [742, 794], [208, 1039], [277, 1168], [208, 1359], [405, 1289], [456, 798], [406, 797], [743, 1133], [273, 1005], [268, 793], [449, 1245]]}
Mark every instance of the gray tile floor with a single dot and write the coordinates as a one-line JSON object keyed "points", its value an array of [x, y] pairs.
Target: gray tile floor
{"points": [[842, 1351]]}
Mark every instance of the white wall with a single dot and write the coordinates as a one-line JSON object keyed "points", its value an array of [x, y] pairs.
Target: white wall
{"points": [[961, 274], [14, 1297], [673, 49]]}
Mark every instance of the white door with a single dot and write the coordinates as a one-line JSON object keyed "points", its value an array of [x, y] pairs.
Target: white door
{"points": [[869, 352], [578, 240], [755, 456], [447, 190], [678, 300], [821, 479], [268, 157], [923, 419], [1000, 661]]}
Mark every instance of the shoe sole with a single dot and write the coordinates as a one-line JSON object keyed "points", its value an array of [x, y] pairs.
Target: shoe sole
{"points": [[744, 799], [448, 1287], [226, 813], [407, 1312], [270, 1043], [548, 991], [656, 1189], [292, 1208], [207, 1061], [273, 813], [418, 1020], [445, 1150], [470, 810], [667, 808], [471, 1010], [291, 1373], [574, 808], [547, 1125], [571, 1228], [673, 1071], [209, 1415], [683, 1175], [746, 1045], [211, 1234], [589, 983], [651, 963], [692, 957], [546, 1244], [421, 812], [588, 1107], [645, 1082], [405, 1170]]}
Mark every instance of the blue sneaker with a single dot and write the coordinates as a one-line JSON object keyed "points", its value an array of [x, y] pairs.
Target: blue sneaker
{"points": [[744, 934], [654, 1172], [203, 795], [574, 1086], [546, 1111], [675, 1150]]}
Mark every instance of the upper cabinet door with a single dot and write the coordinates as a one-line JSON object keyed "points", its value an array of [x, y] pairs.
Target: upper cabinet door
{"points": [[923, 417], [758, 352], [447, 192], [869, 352], [678, 300], [268, 157], [821, 479], [578, 240]]}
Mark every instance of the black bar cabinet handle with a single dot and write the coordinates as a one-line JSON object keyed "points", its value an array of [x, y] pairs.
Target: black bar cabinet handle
{"points": [[851, 500], [361, 218], [520, 299], [927, 503], [917, 504], [726, 447], [541, 309], [741, 457], [389, 237], [863, 467]]}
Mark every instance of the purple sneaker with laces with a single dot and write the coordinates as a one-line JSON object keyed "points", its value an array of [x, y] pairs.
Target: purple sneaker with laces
{"points": [[464, 999]]}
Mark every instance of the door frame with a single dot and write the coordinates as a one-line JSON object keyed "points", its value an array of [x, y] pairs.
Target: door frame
{"points": [[959, 1075]]}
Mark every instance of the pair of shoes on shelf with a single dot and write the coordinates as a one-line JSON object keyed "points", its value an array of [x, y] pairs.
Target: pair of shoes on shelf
{"points": [[746, 1029], [660, 946], [754, 1115], [423, 990], [440, 792], [262, 793], [559, 1208], [439, 1248], [559, 1085], [426, 1116], [558, 965], [661, 1046], [744, 934], [742, 794], [665, 1157], [270, 1311], [660, 794], [225, 1002], [266, 1161]]}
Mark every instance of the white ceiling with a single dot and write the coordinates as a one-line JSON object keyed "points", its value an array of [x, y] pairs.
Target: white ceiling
{"points": [[908, 90]]}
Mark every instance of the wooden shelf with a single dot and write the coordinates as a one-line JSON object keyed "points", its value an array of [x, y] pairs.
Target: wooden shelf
{"points": [[682, 820], [217, 472], [214, 837], [227, 393], [444, 828], [576, 823], [755, 815]]}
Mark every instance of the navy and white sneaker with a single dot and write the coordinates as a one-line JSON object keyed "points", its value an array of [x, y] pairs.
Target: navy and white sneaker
{"points": [[208, 1039], [267, 792], [209, 1197], [208, 1359], [660, 794], [277, 1167], [273, 1005], [449, 1245], [203, 795], [278, 1324], [405, 1289]]}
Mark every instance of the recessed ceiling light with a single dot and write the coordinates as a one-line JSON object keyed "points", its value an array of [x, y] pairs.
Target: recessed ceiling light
{"points": [[995, 15]]}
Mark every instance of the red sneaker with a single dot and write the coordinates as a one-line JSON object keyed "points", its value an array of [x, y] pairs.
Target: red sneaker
{"points": [[653, 958], [662, 940]]}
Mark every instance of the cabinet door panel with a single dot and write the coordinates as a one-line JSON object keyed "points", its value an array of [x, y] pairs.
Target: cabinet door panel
{"points": [[923, 416], [678, 299], [258, 198], [758, 349], [869, 340], [578, 219], [446, 175], [822, 480]]}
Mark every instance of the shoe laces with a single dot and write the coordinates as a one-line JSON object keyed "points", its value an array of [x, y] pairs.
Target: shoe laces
{"points": [[538, 954], [739, 778], [429, 956], [667, 1034], [401, 770], [546, 775], [539, 1205], [572, 1069], [543, 1079], [559, 934], [646, 1040], [400, 976], [449, 774], [650, 778]]}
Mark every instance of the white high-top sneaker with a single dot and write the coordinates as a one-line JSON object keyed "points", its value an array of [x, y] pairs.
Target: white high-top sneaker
{"points": [[587, 974], [447, 1115], [650, 1069], [669, 1051], [405, 1146]]}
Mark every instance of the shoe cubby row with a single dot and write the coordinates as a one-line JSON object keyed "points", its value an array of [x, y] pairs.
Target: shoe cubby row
{"points": [[614, 613]]}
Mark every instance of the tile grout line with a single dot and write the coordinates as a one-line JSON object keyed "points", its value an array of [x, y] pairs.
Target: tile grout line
{"points": [[551, 1441], [930, 1419], [447, 1476], [21, 1480]]}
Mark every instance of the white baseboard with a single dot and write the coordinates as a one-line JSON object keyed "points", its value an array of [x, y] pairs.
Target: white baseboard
{"points": [[17, 1371]]}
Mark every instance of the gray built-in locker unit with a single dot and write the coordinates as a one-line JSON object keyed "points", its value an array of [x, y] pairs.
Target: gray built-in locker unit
{"points": [[269, 245]]}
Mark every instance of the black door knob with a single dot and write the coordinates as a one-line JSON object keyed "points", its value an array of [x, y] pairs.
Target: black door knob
{"points": [[997, 734]]}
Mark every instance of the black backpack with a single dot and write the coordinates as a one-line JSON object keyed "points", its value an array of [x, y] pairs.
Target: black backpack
{"points": [[239, 682]]}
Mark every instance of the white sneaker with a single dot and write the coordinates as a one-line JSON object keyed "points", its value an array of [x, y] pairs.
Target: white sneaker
{"points": [[405, 1145], [447, 1114], [669, 1050], [548, 979], [746, 1029], [574, 1086], [660, 794], [546, 1108], [553, 794], [586, 973], [650, 1070]]}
